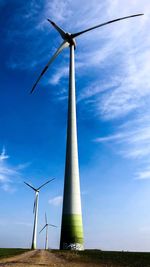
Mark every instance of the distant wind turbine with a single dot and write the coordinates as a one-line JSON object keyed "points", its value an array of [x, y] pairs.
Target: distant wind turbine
{"points": [[46, 226], [35, 211], [71, 228]]}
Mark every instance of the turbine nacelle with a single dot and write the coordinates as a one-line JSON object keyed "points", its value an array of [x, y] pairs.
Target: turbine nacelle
{"points": [[66, 36], [70, 40]]}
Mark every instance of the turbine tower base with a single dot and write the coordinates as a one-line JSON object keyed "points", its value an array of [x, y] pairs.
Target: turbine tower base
{"points": [[72, 232]]}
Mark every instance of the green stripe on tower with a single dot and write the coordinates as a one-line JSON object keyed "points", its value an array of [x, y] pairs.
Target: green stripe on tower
{"points": [[71, 231]]}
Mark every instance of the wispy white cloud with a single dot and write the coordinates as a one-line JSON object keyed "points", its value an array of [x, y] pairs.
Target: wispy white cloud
{"points": [[60, 73], [114, 137], [95, 90], [56, 201], [55, 10], [137, 139], [8, 188], [131, 94], [143, 175], [8, 174], [22, 166], [5, 171], [3, 155], [122, 45], [133, 142]]}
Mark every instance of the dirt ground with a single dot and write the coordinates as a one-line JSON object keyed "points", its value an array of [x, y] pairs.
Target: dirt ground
{"points": [[42, 258]]}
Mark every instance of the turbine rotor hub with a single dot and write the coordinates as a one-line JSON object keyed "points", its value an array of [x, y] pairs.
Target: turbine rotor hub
{"points": [[70, 40]]}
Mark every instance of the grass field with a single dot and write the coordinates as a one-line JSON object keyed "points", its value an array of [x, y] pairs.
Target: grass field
{"points": [[106, 258], [110, 258], [9, 252]]}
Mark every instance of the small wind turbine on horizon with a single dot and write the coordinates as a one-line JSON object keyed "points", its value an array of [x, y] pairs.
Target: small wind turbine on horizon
{"points": [[46, 226], [71, 227], [35, 211]]}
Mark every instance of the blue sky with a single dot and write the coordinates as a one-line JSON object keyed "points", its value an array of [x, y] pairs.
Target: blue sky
{"points": [[113, 100]]}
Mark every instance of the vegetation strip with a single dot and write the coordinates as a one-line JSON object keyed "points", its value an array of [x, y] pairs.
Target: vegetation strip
{"points": [[10, 252], [112, 258]]}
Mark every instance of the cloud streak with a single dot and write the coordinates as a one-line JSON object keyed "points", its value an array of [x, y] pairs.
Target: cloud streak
{"points": [[57, 76], [56, 201], [144, 175], [133, 142], [8, 174]]}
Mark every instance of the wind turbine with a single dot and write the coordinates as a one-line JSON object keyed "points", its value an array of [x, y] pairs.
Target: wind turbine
{"points": [[35, 211], [71, 228], [46, 226]]}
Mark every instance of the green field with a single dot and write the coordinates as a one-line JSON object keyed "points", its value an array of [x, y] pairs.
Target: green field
{"points": [[9, 252], [110, 258], [107, 258]]}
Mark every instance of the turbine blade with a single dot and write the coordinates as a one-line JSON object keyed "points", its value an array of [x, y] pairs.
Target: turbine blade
{"points": [[45, 219], [62, 46], [45, 183], [103, 24], [42, 229], [52, 225], [61, 31], [30, 186]]}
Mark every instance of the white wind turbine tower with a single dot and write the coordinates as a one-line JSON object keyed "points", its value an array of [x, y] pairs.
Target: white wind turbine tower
{"points": [[46, 226], [71, 228], [35, 211]]}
